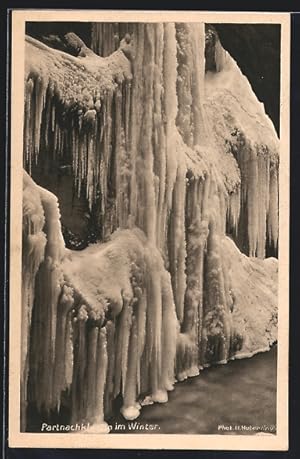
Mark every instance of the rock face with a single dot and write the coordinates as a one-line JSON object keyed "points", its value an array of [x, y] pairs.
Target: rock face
{"points": [[168, 157], [255, 48]]}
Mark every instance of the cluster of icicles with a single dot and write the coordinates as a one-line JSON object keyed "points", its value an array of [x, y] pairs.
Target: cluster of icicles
{"points": [[144, 155]]}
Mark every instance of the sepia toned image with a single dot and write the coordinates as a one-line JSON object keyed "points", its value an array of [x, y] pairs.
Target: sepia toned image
{"points": [[149, 230]]}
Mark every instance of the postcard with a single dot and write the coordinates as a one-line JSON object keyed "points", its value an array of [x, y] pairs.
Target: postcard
{"points": [[149, 244]]}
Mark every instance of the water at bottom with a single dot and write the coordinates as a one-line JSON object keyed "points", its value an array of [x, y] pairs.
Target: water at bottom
{"points": [[238, 398]]}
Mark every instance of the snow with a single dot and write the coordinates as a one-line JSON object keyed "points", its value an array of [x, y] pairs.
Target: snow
{"points": [[254, 285], [125, 280]]}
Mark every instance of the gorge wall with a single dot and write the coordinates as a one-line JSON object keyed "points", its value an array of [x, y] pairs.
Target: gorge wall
{"points": [[163, 145]]}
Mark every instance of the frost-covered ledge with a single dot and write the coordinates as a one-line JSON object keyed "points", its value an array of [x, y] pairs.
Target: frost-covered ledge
{"points": [[79, 84]]}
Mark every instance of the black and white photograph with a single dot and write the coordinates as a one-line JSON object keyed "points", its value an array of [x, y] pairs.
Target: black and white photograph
{"points": [[149, 234]]}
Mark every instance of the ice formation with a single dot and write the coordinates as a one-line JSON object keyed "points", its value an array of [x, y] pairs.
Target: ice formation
{"points": [[169, 157], [43, 249], [239, 122]]}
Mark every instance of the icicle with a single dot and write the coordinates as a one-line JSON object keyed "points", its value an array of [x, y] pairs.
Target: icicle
{"points": [[197, 90], [101, 371], [59, 376], [141, 333], [169, 333], [130, 408], [69, 350], [147, 209], [170, 107], [124, 326], [233, 210], [263, 190], [273, 206], [47, 288], [220, 56], [196, 234], [33, 251], [119, 158], [91, 379], [216, 331], [80, 359], [109, 387], [252, 199], [123, 164], [28, 129], [53, 118], [154, 306], [137, 94], [90, 121], [184, 79], [39, 97], [159, 150], [177, 251], [125, 342]]}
